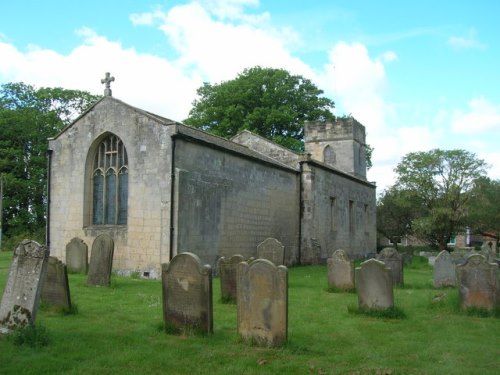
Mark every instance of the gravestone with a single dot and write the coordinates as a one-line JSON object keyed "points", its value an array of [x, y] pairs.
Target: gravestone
{"points": [[187, 294], [262, 308], [394, 261], [444, 270], [55, 291], [227, 273], [374, 285], [478, 283], [272, 250], [21, 296], [101, 261], [340, 271], [77, 256], [488, 252]]}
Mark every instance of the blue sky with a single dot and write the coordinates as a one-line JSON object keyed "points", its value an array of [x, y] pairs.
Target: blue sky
{"points": [[419, 75]]}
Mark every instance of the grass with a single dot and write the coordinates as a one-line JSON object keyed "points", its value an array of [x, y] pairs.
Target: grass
{"points": [[117, 330]]}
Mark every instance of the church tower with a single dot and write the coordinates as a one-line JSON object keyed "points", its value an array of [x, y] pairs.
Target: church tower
{"points": [[340, 144]]}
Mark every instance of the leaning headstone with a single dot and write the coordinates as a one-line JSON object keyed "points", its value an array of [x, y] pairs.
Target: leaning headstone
{"points": [[227, 273], [340, 271], [262, 303], [478, 283], [55, 291], [21, 296], [374, 285], [101, 261], [444, 270], [394, 261], [187, 294], [77, 256], [272, 250]]}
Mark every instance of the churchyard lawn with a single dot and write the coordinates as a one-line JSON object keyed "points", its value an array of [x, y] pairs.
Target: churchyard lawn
{"points": [[118, 330]]}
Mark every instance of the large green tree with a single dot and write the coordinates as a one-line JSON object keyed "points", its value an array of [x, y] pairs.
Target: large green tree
{"points": [[29, 116], [442, 181], [270, 102], [484, 208]]}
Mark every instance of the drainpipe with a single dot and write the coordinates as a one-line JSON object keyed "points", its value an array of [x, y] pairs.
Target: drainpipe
{"points": [[172, 197], [47, 224]]}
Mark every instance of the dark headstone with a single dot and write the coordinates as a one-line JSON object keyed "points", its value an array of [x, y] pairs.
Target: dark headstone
{"points": [[21, 296], [55, 291], [187, 293], [227, 273], [101, 261], [374, 285], [263, 302], [394, 261], [77, 256]]}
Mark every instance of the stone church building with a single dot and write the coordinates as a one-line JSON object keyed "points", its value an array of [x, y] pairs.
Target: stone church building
{"points": [[159, 187]]}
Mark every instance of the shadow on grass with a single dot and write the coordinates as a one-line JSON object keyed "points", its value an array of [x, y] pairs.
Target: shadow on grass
{"points": [[390, 313]]}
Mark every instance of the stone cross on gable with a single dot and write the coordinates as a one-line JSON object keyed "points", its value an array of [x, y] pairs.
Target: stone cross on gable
{"points": [[107, 81]]}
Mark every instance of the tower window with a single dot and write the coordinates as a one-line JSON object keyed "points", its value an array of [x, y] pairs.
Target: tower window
{"points": [[329, 155]]}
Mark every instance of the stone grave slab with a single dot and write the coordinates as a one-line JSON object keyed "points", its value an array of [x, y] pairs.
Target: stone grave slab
{"points": [[262, 303], [374, 285], [340, 271], [394, 261], [101, 261], [55, 291], [272, 250], [228, 280], [478, 283], [77, 256], [21, 295], [444, 270], [187, 293]]}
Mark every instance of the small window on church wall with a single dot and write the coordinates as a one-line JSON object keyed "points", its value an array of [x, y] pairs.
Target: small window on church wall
{"points": [[333, 209], [329, 155], [110, 183], [351, 217]]}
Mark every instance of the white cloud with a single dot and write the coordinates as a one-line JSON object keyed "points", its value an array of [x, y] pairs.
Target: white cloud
{"points": [[481, 116], [466, 42]]}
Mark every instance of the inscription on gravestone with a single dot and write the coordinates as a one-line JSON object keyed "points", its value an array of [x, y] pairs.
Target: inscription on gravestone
{"points": [[55, 291], [444, 270], [340, 271], [227, 273], [262, 304], [77, 256], [394, 261], [101, 261], [187, 293], [22, 292], [374, 285], [272, 250], [478, 283]]}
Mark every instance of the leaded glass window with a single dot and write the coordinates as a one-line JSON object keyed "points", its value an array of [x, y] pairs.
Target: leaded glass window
{"points": [[110, 183]]}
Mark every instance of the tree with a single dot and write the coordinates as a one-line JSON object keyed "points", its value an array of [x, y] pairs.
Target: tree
{"points": [[269, 102], [29, 116], [442, 181], [396, 211], [484, 208]]}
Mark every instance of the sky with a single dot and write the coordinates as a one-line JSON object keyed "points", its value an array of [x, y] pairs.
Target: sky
{"points": [[418, 75]]}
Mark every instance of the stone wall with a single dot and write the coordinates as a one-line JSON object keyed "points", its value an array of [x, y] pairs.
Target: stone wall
{"points": [[228, 203]]}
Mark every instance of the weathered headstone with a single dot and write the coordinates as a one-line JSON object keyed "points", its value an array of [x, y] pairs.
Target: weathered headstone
{"points": [[444, 270], [374, 285], [227, 273], [77, 256], [187, 294], [55, 291], [488, 252], [340, 271], [272, 250], [21, 296], [478, 283], [262, 302], [101, 261], [394, 261]]}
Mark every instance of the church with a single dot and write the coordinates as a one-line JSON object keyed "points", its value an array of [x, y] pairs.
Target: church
{"points": [[159, 188]]}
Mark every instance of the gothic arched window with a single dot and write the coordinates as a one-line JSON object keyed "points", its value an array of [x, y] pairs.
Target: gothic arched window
{"points": [[329, 155], [110, 183]]}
